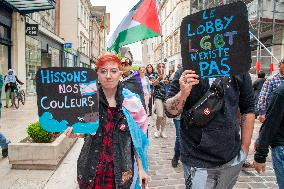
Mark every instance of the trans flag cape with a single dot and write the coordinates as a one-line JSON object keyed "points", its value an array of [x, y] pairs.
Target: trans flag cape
{"points": [[137, 120]]}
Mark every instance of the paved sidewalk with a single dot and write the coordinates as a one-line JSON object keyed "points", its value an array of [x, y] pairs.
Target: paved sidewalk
{"points": [[14, 123]]}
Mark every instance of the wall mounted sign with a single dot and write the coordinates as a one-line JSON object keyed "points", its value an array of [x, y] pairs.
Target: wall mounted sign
{"points": [[31, 29]]}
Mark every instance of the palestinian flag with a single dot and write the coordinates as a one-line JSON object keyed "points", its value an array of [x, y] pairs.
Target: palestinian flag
{"points": [[140, 23]]}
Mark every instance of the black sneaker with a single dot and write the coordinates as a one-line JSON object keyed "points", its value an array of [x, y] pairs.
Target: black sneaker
{"points": [[174, 162], [5, 152]]}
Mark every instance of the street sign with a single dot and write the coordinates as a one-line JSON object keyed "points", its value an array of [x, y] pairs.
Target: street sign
{"points": [[68, 47], [67, 97], [31, 29], [215, 42]]}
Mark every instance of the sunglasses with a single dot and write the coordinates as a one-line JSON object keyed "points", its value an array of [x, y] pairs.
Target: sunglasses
{"points": [[126, 61]]}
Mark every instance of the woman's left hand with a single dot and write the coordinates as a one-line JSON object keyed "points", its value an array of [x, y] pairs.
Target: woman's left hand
{"points": [[69, 134], [144, 179]]}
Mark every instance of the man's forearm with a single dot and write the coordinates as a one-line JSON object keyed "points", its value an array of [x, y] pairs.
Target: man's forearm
{"points": [[174, 105], [247, 125]]}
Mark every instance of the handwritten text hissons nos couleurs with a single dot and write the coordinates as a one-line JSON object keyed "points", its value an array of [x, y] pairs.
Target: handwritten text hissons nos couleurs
{"points": [[68, 84]]}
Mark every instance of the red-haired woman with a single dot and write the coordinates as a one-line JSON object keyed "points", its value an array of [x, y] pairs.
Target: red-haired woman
{"points": [[107, 157]]}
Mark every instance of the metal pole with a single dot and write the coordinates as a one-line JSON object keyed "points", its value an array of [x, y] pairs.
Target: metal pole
{"points": [[260, 28], [258, 31], [162, 52], [264, 47], [273, 30], [160, 15], [190, 7]]}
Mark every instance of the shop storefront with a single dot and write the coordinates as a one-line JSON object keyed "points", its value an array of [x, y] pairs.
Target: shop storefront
{"points": [[42, 51], [70, 55], [84, 61], [5, 39], [3, 59], [33, 62], [26, 52], [70, 59], [93, 63]]}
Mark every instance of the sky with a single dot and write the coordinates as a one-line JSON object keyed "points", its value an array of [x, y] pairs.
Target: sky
{"points": [[118, 9]]}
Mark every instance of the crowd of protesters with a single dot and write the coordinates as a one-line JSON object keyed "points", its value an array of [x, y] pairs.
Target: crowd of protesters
{"points": [[212, 155]]}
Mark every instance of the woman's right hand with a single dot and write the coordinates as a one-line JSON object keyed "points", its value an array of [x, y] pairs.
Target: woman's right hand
{"points": [[69, 134]]}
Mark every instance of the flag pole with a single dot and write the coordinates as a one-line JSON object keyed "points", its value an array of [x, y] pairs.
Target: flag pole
{"points": [[160, 15]]}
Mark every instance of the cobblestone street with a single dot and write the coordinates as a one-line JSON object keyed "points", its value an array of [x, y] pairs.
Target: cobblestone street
{"points": [[163, 176]]}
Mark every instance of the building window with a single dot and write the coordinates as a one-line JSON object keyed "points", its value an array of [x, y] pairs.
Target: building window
{"points": [[5, 35], [81, 43], [176, 42], [171, 46], [167, 49], [33, 62], [87, 48], [85, 18], [87, 22], [55, 57], [82, 10], [69, 60], [3, 60]]}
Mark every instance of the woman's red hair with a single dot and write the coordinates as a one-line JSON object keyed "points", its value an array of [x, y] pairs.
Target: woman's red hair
{"points": [[107, 58]]}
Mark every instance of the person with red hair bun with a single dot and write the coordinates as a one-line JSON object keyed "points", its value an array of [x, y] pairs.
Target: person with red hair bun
{"points": [[108, 157]]}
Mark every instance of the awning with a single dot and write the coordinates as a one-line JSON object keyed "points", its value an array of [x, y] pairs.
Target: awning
{"points": [[30, 6]]}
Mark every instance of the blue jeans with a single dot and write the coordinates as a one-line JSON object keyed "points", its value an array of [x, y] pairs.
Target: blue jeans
{"points": [[223, 176], [278, 164], [177, 143], [3, 141]]}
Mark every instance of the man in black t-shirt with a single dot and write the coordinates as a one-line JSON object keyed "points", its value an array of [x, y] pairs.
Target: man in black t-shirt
{"points": [[212, 155]]}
